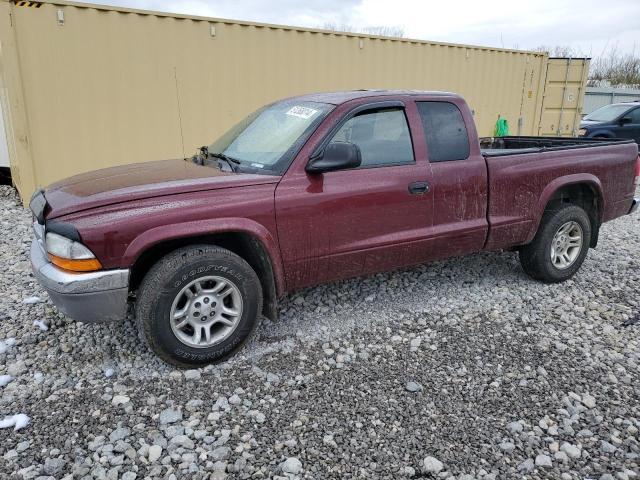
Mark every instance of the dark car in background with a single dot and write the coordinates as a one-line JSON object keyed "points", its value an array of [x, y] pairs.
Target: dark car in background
{"points": [[618, 120]]}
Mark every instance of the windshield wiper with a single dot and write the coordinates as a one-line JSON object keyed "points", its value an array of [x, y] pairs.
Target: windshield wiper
{"points": [[232, 162]]}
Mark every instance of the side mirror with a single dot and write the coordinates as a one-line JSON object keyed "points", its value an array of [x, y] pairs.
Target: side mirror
{"points": [[336, 156], [625, 120]]}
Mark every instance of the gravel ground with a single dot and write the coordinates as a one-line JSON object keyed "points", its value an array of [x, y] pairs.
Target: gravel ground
{"points": [[462, 369]]}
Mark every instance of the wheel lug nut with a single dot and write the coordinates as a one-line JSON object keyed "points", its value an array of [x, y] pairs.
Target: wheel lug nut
{"points": [[206, 300], [203, 318], [196, 314], [212, 314], [197, 305]]}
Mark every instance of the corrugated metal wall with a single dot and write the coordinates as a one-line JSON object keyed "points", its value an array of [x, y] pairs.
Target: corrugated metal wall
{"points": [[86, 87], [596, 97]]}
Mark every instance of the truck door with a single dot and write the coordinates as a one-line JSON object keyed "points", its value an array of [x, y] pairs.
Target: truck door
{"points": [[631, 129], [346, 223], [459, 178]]}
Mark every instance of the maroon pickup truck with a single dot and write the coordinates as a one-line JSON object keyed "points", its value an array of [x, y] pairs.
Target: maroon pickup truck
{"points": [[314, 189]]}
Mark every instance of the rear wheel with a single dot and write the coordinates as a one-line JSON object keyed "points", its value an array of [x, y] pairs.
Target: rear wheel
{"points": [[560, 245], [198, 305]]}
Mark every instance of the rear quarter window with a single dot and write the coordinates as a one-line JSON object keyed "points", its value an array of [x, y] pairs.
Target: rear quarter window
{"points": [[444, 130]]}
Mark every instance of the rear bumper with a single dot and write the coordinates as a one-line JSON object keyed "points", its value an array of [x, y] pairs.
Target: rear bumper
{"points": [[91, 297], [634, 205]]}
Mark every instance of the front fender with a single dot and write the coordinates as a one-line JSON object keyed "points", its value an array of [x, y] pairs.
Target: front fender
{"points": [[177, 231], [555, 185], [600, 132]]}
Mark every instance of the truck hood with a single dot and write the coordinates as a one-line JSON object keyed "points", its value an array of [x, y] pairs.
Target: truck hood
{"points": [[138, 181]]}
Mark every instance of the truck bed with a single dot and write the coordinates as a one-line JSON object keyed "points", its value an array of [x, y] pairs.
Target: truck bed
{"points": [[499, 146], [522, 184]]}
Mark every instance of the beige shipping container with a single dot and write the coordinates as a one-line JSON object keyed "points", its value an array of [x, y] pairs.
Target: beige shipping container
{"points": [[85, 87], [563, 97]]}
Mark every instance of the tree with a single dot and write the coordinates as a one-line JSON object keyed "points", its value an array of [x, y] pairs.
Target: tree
{"points": [[384, 31], [615, 68], [612, 67], [563, 51]]}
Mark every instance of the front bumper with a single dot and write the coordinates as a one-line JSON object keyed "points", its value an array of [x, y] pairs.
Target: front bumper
{"points": [[91, 297], [634, 205]]}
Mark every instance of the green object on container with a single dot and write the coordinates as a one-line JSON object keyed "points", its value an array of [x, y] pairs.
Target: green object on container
{"points": [[502, 128]]}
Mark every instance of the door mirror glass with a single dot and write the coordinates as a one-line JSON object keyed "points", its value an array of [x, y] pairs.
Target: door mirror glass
{"points": [[625, 120], [336, 156]]}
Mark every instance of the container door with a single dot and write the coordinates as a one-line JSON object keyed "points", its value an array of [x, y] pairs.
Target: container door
{"points": [[563, 97]]}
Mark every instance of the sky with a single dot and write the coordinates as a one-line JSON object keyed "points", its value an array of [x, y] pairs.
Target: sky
{"points": [[590, 27]]}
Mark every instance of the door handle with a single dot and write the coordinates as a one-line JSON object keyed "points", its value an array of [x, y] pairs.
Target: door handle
{"points": [[418, 188]]}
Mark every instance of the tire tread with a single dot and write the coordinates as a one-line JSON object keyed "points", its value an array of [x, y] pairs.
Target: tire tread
{"points": [[533, 255], [155, 280]]}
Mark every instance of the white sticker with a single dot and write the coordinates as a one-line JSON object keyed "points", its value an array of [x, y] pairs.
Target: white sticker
{"points": [[302, 112], [257, 165]]}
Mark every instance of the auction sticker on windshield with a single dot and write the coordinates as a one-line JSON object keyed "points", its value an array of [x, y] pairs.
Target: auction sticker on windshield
{"points": [[302, 112]]}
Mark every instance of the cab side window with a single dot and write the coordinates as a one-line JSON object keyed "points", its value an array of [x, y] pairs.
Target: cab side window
{"points": [[382, 136], [444, 130]]}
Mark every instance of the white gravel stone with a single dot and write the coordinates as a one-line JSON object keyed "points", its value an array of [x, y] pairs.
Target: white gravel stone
{"points": [[192, 375], [543, 461], [507, 446], [515, 427], [182, 441], [41, 325], [432, 464], [31, 300], [526, 466], [17, 421], [291, 465], [120, 399], [5, 379], [119, 433], [408, 471], [53, 466], [170, 415], [571, 450], [155, 451], [589, 401], [413, 387]]}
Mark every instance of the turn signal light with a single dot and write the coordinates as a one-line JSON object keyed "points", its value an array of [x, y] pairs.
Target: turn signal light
{"points": [[82, 265]]}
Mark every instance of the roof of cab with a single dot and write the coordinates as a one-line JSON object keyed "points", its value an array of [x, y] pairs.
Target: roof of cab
{"points": [[336, 98]]}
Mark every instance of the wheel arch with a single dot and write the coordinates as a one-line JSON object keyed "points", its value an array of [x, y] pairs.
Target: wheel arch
{"points": [[601, 134], [256, 248], [584, 190]]}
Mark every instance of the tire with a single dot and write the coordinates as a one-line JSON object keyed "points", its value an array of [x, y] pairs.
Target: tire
{"points": [[230, 315], [536, 257]]}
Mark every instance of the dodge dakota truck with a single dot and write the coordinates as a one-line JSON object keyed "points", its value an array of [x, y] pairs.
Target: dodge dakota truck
{"points": [[314, 189]]}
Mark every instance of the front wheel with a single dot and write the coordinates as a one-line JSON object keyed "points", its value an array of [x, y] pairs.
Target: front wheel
{"points": [[198, 305], [560, 245]]}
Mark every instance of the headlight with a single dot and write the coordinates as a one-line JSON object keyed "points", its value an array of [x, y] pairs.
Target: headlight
{"points": [[582, 132], [70, 255]]}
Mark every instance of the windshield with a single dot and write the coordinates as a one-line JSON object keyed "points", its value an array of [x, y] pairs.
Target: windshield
{"points": [[270, 137], [607, 113]]}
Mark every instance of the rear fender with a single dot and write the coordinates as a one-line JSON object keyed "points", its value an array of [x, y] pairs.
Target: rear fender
{"points": [[554, 186]]}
